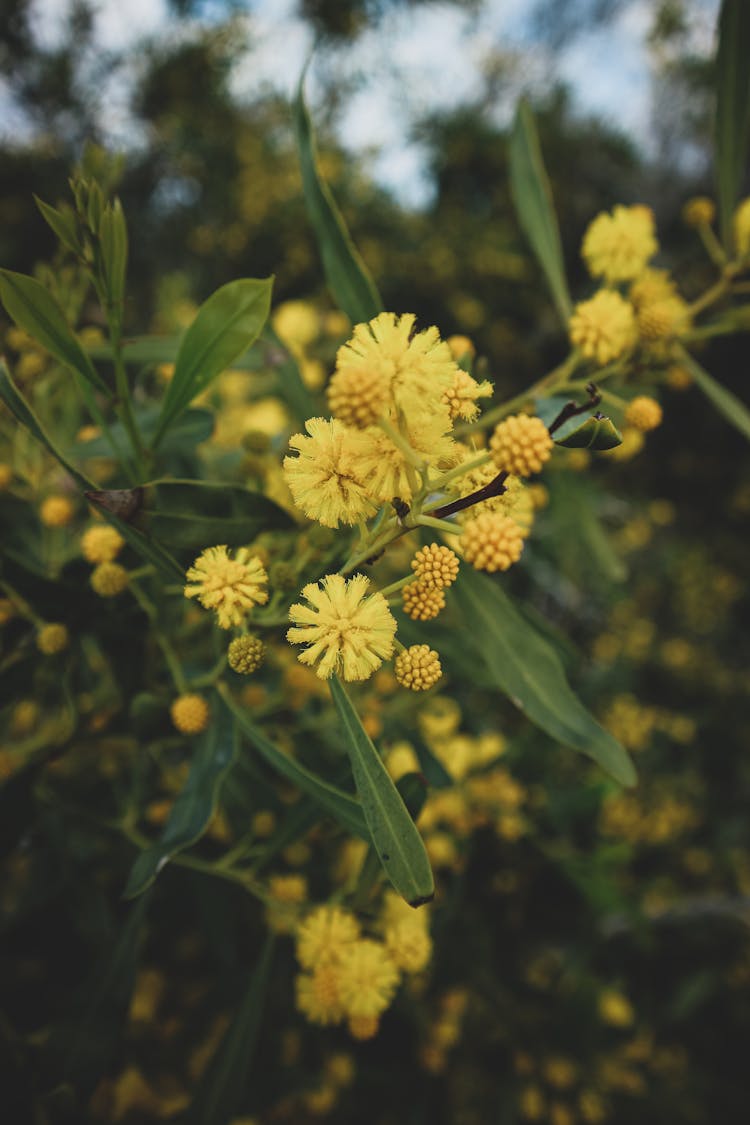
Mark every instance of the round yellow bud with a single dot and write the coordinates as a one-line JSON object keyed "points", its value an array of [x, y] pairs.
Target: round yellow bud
{"points": [[52, 638], [101, 543], [288, 888], [699, 211], [521, 444], [643, 413], [263, 823], [190, 713], [418, 668], [109, 579], [422, 602], [435, 566], [615, 1009], [245, 654], [461, 346], [492, 541], [363, 1027], [678, 378], [357, 397], [56, 511]]}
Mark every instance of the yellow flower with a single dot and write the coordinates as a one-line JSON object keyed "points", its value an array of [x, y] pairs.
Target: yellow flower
{"points": [[363, 1027], [461, 397], [367, 979], [615, 1009], [379, 464], [245, 654], [296, 323], [190, 713], [521, 444], [409, 945], [348, 631], [52, 638], [699, 211], [101, 543], [324, 479], [405, 370], [418, 668], [56, 511], [619, 245], [603, 327], [491, 541], [229, 586], [435, 566], [643, 413], [461, 346], [422, 602], [288, 888], [109, 579], [742, 228], [6, 476], [324, 934], [318, 995]]}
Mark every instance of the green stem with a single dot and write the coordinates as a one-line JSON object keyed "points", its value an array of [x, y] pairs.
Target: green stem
{"points": [[410, 455], [175, 669], [438, 525], [711, 244], [714, 293], [396, 586], [553, 381], [123, 390]]}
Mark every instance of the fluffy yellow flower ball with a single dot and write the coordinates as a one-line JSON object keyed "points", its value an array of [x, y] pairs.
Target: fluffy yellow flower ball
{"points": [[603, 327], [52, 638], [643, 413], [109, 579], [617, 246], [101, 543], [190, 713], [418, 668], [521, 444], [699, 211], [492, 541], [56, 511], [422, 602]]}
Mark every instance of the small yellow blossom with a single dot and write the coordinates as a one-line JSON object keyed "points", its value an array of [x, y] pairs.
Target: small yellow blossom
{"points": [[618, 245], [323, 478], [409, 945], [604, 327], [318, 995], [742, 228], [418, 668], [384, 467], [263, 823], [461, 397], [422, 602], [52, 638], [323, 935], [699, 211], [288, 888], [491, 541], [367, 978], [678, 378], [109, 579], [521, 444], [615, 1009], [401, 759], [461, 346], [435, 566], [363, 1027], [342, 627], [56, 511], [296, 323], [101, 543], [632, 443], [190, 713], [7, 611], [339, 1069], [230, 586], [245, 654], [643, 413]]}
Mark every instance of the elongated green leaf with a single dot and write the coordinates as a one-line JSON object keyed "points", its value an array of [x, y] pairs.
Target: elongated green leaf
{"points": [[113, 237], [523, 665], [219, 1096], [34, 309], [340, 805], [532, 197], [196, 804], [63, 223], [726, 402], [348, 278], [189, 430], [195, 514], [394, 833], [732, 122], [225, 326], [22, 412], [147, 548]]}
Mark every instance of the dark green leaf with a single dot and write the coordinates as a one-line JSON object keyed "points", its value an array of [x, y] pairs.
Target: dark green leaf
{"points": [[732, 122], [220, 1093], [532, 197], [63, 223], [394, 834], [727, 403], [291, 383], [34, 309], [524, 666], [226, 325], [190, 429], [340, 805], [195, 805], [196, 514], [592, 433], [348, 278]]}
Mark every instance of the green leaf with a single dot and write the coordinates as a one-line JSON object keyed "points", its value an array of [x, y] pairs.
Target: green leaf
{"points": [[190, 429], [291, 384], [196, 514], [220, 1094], [22, 412], [524, 666], [732, 122], [63, 223], [226, 324], [593, 433], [532, 197], [394, 833], [340, 805], [113, 239], [727, 403], [348, 278], [34, 309], [195, 805]]}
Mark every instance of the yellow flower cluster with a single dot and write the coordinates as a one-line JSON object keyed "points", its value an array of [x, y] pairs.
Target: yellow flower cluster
{"points": [[56, 511], [101, 543], [190, 713], [230, 586], [617, 246], [109, 579], [422, 602], [492, 541], [643, 413], [660, 310], [245, 654], [604, 327], [699, 211], [52, 638], [418, 668], [435, 566], [521, 445]]}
